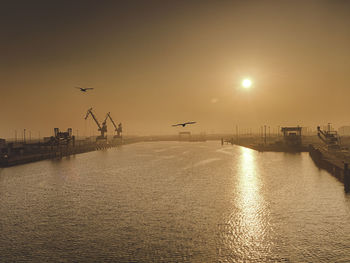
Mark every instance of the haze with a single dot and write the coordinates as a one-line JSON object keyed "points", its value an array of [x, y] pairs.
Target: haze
{"points": [[155, 63]]}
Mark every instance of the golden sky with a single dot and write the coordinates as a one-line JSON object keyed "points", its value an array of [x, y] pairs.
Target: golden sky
{"points": [[155, 63]]}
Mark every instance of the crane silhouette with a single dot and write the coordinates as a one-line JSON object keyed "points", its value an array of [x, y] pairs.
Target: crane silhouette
{"points": [[102, 128], [184, 124]]}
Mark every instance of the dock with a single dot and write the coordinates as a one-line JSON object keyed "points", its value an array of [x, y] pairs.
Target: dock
{"points": [[336, 163], [329, 155]]}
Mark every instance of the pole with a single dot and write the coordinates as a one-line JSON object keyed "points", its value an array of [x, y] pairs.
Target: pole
{"points": [[24, 136], [265, 134]]}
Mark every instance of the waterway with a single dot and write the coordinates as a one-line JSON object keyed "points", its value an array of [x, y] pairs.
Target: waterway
{"points": [[173, 202]]}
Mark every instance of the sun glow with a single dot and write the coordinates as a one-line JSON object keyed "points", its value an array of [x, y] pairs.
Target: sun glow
{"points": [[247, 83]]}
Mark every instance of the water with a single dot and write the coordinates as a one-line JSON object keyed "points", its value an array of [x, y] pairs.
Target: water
{"points": [[173, 202]]}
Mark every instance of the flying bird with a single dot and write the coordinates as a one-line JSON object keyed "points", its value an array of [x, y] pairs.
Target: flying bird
{"points": [[184, 124], [84, 89]]}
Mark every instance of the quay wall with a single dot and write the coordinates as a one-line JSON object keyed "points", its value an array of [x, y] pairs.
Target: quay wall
{"points": [[36, 152], [327, 161]]}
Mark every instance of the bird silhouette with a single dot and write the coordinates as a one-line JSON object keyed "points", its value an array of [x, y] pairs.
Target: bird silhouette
{"points": [[84, 89], [184, 124]]}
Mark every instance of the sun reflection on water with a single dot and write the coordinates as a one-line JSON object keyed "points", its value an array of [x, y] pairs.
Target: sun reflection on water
{"points": [[247, 236], [250, 199]]}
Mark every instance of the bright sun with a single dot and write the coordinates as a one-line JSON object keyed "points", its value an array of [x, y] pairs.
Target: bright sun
{"points": [[247, 83]]}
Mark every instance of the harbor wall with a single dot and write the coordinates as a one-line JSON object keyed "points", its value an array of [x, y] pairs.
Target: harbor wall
{"points": [[328, 162], [15, 154]]}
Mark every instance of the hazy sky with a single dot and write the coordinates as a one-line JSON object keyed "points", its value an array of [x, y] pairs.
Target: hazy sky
{"points": [[154, 63]]}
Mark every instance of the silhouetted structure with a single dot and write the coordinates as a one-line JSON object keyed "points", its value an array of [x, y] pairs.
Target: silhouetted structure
{"points": [[329, 137], [101, 128], [118, 128], [292, 136], [62, 138]]}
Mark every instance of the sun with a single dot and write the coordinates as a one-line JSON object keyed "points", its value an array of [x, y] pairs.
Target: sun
{"points": [[247, 83]]}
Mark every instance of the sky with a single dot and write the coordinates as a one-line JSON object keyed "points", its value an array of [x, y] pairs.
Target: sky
{"points": [[156, 63]]}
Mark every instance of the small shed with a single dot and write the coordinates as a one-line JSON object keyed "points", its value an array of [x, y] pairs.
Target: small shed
{"points": [[292, 135]]}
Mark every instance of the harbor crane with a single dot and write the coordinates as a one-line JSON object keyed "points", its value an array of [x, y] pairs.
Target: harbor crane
{"points": [[329, 137], [102, 128], [118, 128]]}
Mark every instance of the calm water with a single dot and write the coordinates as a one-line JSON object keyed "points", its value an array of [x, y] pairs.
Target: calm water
{"points": [[174, 202]]}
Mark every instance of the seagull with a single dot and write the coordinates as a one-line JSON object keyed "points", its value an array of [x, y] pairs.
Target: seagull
{"points": [[184, 124], [84, 89]]}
